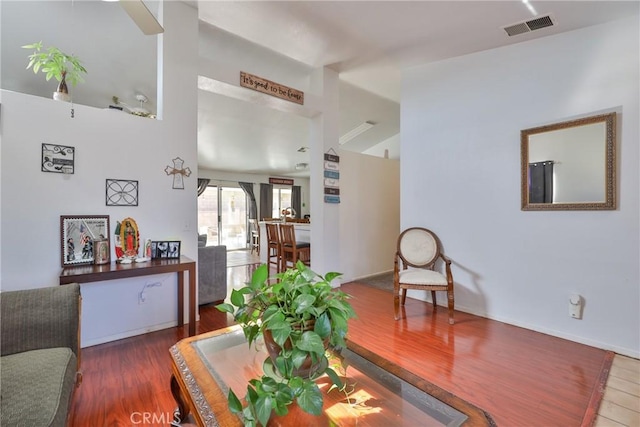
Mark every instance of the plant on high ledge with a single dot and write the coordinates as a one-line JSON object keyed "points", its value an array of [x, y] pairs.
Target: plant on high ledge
{"points": [[299, 316], [55, 63]]}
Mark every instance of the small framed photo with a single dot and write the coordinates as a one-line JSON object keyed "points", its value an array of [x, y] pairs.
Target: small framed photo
{"points": [[77, 236], [165, 249]]}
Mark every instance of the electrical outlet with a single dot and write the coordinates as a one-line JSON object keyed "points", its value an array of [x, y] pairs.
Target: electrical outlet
{"points": [[575, 306]]}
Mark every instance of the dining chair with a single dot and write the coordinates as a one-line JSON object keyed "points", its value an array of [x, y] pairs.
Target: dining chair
{"points": [[292, 250], [273, 246], [414, 268]]}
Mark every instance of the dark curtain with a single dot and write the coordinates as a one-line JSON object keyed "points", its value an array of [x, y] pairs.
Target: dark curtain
{"points": [[266, 200], [296, 200], [541, 182], [202, 185], [248, 189]]}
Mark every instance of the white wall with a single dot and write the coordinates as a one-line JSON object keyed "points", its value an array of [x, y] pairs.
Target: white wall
{"points": [[108, 144], [369, 215], [461, 122]]}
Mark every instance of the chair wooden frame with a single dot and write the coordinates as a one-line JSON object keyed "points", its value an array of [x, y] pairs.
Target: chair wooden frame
{"points": [[402, 262], [273, 246], [290, 250]]}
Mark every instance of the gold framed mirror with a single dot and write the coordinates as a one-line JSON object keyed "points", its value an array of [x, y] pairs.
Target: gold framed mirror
{"points": [[570, 165]]}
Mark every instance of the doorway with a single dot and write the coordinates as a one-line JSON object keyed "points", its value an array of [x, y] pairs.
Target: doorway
{"points": [[222, 216]]}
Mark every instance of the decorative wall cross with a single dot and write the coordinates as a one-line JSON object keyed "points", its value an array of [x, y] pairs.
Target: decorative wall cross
{"points": [[178, 173]]}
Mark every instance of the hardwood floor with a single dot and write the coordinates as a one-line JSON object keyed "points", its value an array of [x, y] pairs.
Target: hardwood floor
{"points": [[522, 378], [621, 402]]}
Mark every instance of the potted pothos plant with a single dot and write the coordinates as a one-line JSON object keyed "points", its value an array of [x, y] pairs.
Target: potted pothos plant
{"points": [[57, 64], [300, 317]]}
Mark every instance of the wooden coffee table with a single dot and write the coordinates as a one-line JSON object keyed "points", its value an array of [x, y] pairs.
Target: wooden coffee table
{"points": [[381, 393]]}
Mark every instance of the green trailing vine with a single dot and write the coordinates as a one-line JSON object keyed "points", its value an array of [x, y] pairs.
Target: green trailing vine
{"points": [[286, 309]]}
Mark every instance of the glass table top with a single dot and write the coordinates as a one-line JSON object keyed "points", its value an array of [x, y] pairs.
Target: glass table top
{"points": [[378, 393]]}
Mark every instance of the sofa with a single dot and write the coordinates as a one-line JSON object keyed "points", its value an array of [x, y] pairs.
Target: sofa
{"points": [[212, 274], [40, 355]]}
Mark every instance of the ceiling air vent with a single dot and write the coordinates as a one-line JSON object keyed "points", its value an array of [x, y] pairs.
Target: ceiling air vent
{"points": [[528, 26]]}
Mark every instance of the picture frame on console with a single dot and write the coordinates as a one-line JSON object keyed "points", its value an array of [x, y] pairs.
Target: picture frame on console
{"points": [[165, 249], [77, 236]]}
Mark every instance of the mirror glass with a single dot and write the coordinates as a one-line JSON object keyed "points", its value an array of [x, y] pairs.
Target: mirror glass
{"points": [[569, 165]]}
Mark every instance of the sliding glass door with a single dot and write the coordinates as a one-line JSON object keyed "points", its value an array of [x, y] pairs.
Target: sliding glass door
{"points": [[222, 216]]}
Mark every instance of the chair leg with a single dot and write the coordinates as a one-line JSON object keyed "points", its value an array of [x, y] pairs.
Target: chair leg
{"points": [[274, 253], [433, 299], [404, 296], [450, 303], [396, 306]]}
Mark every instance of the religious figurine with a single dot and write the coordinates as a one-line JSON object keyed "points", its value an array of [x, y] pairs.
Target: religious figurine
{"points": [[127, 239]]}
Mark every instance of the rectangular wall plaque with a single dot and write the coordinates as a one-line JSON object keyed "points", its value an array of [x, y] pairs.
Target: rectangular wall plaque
{"points": [[332, 199], [332, 166], [331, 174], [330, 182], [281, 181], [271, 88], [332, 191], [331, 158]]}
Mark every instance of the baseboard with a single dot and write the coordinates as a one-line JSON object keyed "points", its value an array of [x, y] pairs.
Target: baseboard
{"points": [[634, 353], [355, 279], [128, 334], [555, 333]]}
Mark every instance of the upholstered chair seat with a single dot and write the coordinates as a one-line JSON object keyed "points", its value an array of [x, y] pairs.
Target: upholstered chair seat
{"points": [[418, 276]]}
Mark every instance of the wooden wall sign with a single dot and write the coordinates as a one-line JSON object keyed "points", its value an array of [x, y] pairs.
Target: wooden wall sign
{"points": [[271, 88], [332, 199], [330, 182], [333, 166], [331, 158], [331, 177], [280, 181], [331, 174]]}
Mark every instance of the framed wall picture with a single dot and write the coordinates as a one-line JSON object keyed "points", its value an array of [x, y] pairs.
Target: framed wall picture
{"points": [[165, 249], [77, 236]]}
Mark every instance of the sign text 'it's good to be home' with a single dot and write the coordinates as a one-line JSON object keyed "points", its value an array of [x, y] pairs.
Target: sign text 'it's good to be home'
{"points": [[271, 88]]}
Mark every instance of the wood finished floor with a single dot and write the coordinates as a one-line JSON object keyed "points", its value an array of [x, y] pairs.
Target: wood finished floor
{"points": [[621, 401], [520, 377]]}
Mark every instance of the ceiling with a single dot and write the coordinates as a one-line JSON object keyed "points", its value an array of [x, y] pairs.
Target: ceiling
{"points": [[368, 43]]}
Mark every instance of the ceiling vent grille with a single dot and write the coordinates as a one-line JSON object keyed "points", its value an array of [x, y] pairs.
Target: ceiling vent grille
{"points": [[528, 26]]}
